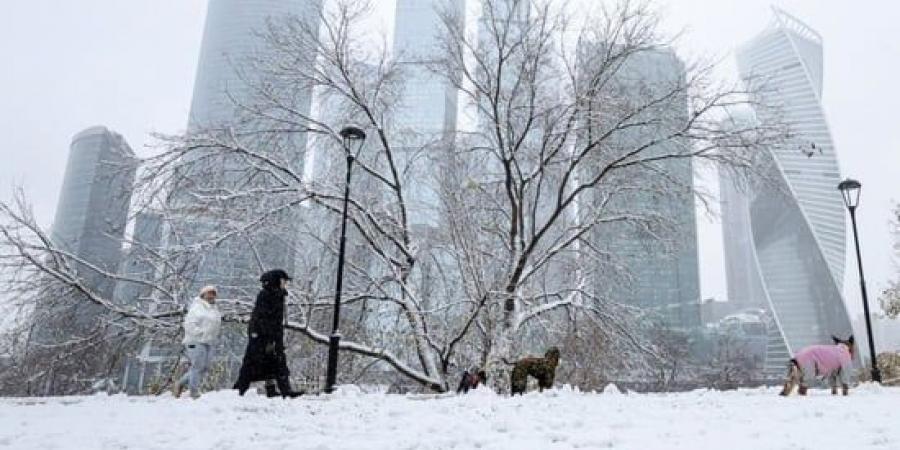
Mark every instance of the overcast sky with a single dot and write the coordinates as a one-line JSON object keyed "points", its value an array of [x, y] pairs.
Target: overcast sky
{"points": [[129, 64]]}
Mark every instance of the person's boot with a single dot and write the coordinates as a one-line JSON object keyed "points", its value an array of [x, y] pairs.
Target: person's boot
{"points": [[270, 389], [802, 390], [241, 386], [284, 386]]}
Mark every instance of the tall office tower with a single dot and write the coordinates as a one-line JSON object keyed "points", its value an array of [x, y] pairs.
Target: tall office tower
{"points": [[652, 262], [495, 14], [426, 116], [231, 44], [235, 61], [503, 27], [90, 222], [93, 205], [502, 22], [795, 218]]}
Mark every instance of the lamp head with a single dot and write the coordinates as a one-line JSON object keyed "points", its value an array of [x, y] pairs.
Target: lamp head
{"points": [[850, 189], [353, 135]]}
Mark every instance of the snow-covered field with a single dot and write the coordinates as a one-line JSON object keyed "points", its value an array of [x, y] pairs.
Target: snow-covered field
{"points": [[558, 419]]}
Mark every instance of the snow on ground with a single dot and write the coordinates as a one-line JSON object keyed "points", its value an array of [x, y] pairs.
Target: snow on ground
{"points": [[557, 419]]}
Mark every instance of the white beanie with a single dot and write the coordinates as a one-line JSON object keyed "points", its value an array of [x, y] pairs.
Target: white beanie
{"points": [[207, 289]]}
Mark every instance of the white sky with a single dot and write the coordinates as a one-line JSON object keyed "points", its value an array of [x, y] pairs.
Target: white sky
{"points": [[130, 65]]}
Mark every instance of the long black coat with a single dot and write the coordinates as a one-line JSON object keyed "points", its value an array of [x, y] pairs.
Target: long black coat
{"points": [[265, 358]]}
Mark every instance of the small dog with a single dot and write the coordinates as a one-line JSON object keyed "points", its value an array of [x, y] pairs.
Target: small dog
{"points": [[471, 380], [827, 361], [543, 369]]}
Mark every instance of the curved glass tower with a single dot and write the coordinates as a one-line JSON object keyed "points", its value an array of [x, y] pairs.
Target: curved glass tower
{"points": [[230, 41], [232, 68], [793, 221]]}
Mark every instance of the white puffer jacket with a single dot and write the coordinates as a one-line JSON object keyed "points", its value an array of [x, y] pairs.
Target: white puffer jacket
{"points": [[202, 323]]}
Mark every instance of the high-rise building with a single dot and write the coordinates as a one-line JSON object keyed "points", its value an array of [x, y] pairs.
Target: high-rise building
{"points": [[652, 260], [786, 234], [231, 46], [500, 28], [92, 211], [90, 222], [234, 64], [425, 119]]}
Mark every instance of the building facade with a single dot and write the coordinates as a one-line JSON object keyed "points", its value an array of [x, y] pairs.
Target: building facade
{"points": [[652, 260], [235, 62], [92, 211], [231, 47], [426, 116], [792, 216], [90, 222]]}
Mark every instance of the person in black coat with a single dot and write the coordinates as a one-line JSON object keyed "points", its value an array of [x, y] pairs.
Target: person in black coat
{"points": [[264, 359]]}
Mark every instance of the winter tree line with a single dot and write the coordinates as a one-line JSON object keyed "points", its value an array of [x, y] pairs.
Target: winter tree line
{"points": [[506, 264]]}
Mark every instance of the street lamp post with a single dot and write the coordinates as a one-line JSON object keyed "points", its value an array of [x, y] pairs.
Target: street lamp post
{"points": [[850, 190], [350, 135]]}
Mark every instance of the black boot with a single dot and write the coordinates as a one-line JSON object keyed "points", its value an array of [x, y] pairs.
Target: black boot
{"points": [[241, 386], [270, 389], [284, 385]]}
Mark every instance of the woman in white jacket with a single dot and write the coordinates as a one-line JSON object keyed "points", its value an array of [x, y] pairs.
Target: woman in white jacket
{"points": [[201, 331]]}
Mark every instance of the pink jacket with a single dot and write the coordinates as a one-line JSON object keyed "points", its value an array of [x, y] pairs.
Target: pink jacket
{"points": [[827, 359]]}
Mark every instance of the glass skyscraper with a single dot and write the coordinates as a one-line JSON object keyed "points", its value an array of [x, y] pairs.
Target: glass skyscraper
{"points": [[92, 211], [233, 65], [231, 41], [651, 260], [425, 120], [790, 223], [89, 224]]}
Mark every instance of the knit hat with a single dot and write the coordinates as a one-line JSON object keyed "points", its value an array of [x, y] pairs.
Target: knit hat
{"points": [[207, 289], [274, 276]]}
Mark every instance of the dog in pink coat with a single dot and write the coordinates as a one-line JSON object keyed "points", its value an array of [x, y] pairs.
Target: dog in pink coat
{"points": [[833, 362]]}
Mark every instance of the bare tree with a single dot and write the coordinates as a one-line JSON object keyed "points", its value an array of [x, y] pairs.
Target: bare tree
{"points": [[733, 363], [890, 298], [560, 138], [510, 261]]}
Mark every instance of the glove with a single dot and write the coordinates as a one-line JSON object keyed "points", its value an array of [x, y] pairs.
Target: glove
{"points": [[270, 348]]}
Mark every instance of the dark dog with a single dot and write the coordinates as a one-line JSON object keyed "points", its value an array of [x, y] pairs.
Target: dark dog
{"points": [[471, 380], [543, 369]]}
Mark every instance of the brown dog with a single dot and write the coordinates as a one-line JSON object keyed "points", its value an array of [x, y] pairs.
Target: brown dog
{"points": [[543, 369]]}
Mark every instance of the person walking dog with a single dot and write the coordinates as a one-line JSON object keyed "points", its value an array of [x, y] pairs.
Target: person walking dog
{"points": [[264, 359], [202, 325]]}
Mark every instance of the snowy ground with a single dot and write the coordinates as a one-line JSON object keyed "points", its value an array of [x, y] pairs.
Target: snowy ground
{"points": [[746, 419]]}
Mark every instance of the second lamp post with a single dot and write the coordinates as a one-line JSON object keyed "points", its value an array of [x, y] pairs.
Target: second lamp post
{"points": [[850, 190], [352, 140]]}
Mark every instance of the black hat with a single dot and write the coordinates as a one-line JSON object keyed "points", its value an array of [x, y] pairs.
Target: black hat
{"points": [[274, 276]]}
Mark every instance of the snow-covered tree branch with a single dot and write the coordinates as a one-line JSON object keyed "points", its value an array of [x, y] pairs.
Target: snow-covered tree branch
{"points": [[562, 134]]}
